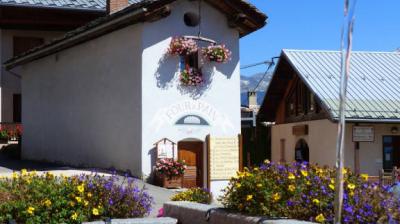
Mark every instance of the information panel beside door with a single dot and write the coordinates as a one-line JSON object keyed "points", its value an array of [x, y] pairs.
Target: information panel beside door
{"points": [[223, 158]]}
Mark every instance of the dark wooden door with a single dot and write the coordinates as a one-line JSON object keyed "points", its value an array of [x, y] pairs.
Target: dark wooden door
{"points": [[191, 153]]}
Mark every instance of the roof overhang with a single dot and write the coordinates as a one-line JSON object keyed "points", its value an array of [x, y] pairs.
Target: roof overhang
{"points": [[241, 15], [14, 16]]}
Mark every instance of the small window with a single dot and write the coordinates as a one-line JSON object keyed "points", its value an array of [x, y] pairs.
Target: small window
{"points": [[23, 44]]}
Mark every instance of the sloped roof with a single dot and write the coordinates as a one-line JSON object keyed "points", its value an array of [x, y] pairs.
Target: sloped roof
{"points": [[141, 10], [67, 4], [373, 87]]}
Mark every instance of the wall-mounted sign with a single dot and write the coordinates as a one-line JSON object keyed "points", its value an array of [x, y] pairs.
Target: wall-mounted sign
{"points": [[223, 158], [192, 120], [166, 149], [363, 134], [300, 130]]}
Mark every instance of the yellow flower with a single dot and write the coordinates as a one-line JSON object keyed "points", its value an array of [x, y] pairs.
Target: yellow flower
{"points": [[304, 173], [95, 211], [291, 188], [332, 181], [344, 171], [364, 177], [267, 161], [238, 185], [78, 199], [276, 197], [331, 186], [71, 203], [15, 175], [74, 216], [47, 202], [89, 195], [81, 188], [24, 172], [320, 218], [33, 173], [316, 201], [256, 169], [85, 203], [259, 185], [351, 186], [291, 176], [49, 175], [308, 183], [30, 210], [249, 197]]}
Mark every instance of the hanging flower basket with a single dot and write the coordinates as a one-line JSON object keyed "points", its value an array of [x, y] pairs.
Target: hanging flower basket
{"points": [[191, 77], [182, 46], [217, 53]]}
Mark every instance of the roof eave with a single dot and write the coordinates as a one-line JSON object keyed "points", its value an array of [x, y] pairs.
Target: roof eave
{"points": [[370, 120], [53, 7]]}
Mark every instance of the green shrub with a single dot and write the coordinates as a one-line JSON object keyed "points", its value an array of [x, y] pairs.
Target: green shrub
{"points": [[32, 198], [198, 195], [306, 192]]}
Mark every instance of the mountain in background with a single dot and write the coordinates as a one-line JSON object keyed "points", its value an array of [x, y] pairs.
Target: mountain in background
{"points": [[249, 83]]}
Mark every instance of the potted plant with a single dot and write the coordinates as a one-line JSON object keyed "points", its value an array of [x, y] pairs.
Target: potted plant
{"points": [[190, 77], [217, 53], [3, 136], [182, 46], [169, 173]]}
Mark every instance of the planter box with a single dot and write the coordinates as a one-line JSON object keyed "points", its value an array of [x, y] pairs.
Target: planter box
{"points": [[170, 183], [3, 140]]}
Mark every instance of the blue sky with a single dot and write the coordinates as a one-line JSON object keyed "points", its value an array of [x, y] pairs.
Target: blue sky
{"points": [[316, 24]]}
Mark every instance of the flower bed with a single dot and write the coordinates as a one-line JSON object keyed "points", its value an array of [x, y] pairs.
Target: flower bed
{"points": [[198, 195], [32, 198], [306, 192]]}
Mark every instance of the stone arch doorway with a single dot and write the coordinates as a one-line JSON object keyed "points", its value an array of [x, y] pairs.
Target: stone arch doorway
{"points": [[302, 152], [191, 151]]}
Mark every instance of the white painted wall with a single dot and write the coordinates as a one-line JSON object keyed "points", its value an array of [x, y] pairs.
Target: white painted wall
{"points": [[321, 141], [82, 105], [165, 101], [106, 102], [11, 84]]}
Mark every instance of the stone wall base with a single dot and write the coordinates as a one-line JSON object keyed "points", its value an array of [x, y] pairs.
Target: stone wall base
{"points": [[194, 213]]}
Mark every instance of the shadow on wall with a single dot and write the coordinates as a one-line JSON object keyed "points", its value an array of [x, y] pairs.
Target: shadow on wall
{"points": [[153, 158], [168, 72]]}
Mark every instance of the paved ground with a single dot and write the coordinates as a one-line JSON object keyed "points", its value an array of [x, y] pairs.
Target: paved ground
{"points": [[9, 163]]}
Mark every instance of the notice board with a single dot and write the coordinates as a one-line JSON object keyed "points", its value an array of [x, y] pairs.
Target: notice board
{"points": [[223, 157]]}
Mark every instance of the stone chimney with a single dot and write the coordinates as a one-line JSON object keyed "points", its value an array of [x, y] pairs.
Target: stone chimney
{"points": [[252, 97], [116, 5]]}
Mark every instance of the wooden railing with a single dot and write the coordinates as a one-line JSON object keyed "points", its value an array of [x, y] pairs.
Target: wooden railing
{"points": [[389, 178]]}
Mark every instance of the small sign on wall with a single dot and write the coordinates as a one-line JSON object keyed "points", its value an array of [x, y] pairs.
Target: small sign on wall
{"points": [[363, 134], [300, 130], [166, 149], [223, 158]]}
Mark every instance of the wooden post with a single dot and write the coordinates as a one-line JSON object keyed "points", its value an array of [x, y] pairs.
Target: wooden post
{"points": [[240, 152], [357, 158], [208, 162]]}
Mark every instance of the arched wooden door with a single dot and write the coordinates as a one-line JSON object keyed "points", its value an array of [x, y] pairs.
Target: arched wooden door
{"points": [[192, 154], [302, 152]]}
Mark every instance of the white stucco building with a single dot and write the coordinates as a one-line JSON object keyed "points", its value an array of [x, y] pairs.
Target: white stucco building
{"points": [[104, 94], [27, 24], [303, 99]]}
